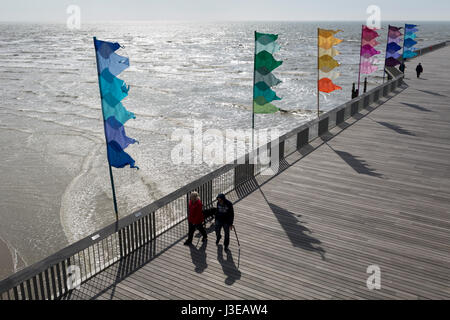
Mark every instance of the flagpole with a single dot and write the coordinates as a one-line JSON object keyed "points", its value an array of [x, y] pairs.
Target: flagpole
{"points": [[404, 41], [253, 100], [104, 129], [360, 60], [318, 72], [387, 46]]}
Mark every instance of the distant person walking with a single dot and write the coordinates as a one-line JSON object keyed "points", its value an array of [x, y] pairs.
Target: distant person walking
{"points": [[402, 67], [419, 70], [195, 218], [224, 219]]}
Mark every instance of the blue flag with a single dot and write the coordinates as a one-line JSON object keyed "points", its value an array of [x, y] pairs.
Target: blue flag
{"points": [[409, 41], [112, 92]]}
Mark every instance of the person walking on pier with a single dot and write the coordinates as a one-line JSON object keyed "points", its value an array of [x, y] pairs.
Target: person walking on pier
{"points": [[402, 67], [224, 219], [195, 218], [419, 70]]}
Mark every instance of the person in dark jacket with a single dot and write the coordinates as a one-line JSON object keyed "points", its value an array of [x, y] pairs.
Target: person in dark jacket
{"points": [[195, 218], [419, 70], [224, 219], [402, 67]]}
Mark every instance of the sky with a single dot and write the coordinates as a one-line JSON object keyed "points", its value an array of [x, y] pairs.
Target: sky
{"points": [[223, 10]]}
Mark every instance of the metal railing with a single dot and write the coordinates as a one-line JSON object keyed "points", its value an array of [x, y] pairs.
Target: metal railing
{"points": [[50, 278], [431, 48]]}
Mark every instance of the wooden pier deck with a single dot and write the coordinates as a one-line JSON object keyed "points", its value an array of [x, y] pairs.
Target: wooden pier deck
{"points": [[375, 191]]}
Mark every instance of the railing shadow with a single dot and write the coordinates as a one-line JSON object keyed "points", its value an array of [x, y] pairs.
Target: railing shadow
{"points": [[114, 274], [244, 189]]}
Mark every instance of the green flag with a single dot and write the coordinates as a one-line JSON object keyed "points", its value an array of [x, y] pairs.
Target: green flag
{"points": [[266, 60], [265, 63], [262, 106]]}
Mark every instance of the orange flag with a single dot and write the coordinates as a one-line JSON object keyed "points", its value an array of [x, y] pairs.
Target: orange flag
{"points": [[327, 86], [326, 63]]}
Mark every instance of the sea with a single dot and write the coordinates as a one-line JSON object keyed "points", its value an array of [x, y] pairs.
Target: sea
{"points": [[55, 187]]}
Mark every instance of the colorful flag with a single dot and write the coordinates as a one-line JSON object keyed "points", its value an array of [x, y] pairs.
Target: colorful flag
{"points": [[368, 66], [326, 85], [409, 42], [326, 61], [112, 92], [373, 43], [327, 39], [264, 80], [367, 61], [330, 52], [368, 51], [393, 47]]}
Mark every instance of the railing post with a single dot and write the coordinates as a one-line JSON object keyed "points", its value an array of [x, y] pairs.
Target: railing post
{"points": [[302, 138], [323, 126]]}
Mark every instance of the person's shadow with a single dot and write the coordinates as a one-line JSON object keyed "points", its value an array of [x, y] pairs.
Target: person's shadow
{"points": [[228, 266], [199, 257]]}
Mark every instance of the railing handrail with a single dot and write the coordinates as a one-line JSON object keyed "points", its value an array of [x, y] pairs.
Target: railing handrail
{"points": [[25, 274]]}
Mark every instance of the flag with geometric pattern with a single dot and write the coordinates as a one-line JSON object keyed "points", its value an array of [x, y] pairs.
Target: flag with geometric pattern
{"points": [[265, 47], [112, 91]]}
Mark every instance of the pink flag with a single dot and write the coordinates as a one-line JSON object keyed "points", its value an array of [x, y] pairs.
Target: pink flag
{"points": [[368, 43], [368, 65], [367, 51], [369, 34], [373, 43], [368, 68]]}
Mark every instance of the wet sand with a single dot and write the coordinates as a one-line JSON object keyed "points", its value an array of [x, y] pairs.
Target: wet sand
{"points": [[6, 261]]}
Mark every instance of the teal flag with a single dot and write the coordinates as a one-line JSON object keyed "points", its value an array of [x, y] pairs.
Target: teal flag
{"points": [[265, 63], [268, 79], [270, 48], [409, 41]]}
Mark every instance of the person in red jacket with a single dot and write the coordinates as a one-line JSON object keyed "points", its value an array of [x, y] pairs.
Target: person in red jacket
{"points": [[195, 218]]}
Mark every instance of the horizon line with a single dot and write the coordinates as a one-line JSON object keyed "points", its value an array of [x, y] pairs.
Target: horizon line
{"points": [[214, 20]]}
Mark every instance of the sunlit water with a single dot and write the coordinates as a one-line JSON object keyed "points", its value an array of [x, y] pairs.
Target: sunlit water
{"points": [[55, 186]]}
